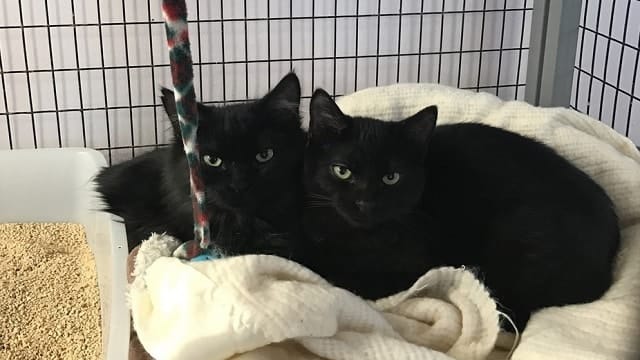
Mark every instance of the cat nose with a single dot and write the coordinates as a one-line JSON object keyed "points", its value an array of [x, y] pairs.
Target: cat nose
{"points": [[239, 186], [240, 178], [364, 206]]}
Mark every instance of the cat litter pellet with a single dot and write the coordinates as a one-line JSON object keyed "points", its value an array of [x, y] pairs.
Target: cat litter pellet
{"points": [[49, 298]]}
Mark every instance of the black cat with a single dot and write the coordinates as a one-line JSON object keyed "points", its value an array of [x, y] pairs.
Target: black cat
{"points": [[251, 157], [388, 201]]}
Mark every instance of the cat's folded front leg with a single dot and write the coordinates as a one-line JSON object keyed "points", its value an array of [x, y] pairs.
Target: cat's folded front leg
{"points": [[266, 239], [225, 235]]}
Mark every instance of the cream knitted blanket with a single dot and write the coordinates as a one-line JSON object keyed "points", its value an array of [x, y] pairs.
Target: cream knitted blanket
{"points": [[260, 307], [605, 329]]}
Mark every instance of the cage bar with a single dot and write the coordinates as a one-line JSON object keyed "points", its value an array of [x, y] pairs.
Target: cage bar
{"points": [[128, 71], [554, 33], [484, 7], [104, 84], [53, 73], [6, 104], [419, 41], [153, 73], [28, 74], [78, 72], [440, 44]]}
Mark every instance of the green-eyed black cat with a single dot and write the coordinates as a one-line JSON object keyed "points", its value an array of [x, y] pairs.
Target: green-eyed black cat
{"points": [[387, 201]]}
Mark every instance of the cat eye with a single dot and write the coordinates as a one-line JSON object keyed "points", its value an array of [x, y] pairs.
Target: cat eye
{"points": [[391, 179], [212, 161], [341, 172], [264, 155]]}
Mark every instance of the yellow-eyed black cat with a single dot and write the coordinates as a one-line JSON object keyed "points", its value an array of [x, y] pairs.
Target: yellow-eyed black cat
{"points": [[387, 201]]}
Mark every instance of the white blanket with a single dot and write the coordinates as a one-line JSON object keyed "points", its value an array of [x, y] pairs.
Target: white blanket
{"points": [[263, 307], [260, 307], [605, 329]]}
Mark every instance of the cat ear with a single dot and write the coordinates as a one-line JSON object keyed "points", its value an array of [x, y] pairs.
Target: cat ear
{"points": [[169, 104], [285, 96], [327, 121], [168, 101], [419, 127]]}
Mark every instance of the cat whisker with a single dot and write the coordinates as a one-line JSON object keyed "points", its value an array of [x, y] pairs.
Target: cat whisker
{"points": [[317, 206], [317, 196], [318, 202]]}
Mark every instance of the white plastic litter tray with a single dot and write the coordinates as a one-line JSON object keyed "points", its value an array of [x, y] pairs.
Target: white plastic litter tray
{"points": [[55, 185]]}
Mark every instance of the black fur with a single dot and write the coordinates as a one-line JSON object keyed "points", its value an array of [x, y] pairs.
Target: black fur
{"points": [[538, 231], [254, 206]]}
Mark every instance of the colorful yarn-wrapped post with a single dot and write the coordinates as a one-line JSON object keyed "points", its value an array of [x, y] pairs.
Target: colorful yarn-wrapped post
{"points": [[175, 17]]}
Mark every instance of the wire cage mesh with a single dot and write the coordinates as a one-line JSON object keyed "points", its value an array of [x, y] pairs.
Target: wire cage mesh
{"points": [[605, 81], [82, 73], [87, 73]]}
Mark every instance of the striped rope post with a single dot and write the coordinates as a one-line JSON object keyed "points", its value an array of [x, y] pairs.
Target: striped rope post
{"points": [[175, 18]]}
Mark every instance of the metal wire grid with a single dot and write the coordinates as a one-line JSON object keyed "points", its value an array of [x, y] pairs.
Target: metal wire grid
{"points": [[605, 82], [54, 98]]}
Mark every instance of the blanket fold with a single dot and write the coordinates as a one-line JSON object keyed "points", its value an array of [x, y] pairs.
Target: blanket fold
{"points": [[260, 306]]}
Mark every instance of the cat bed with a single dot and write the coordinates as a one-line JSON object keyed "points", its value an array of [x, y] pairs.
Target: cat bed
{"points": [[264, 307]]}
